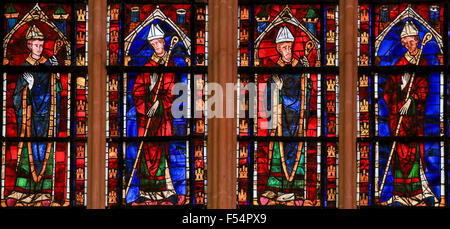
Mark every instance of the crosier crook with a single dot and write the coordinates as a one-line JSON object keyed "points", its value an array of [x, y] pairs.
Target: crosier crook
{"points": [[425, 40], [173, 42]]}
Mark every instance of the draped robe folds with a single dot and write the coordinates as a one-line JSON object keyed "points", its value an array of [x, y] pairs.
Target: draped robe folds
{"points": [[290, 100], [155, 183], [408, 158], [28, 189]]}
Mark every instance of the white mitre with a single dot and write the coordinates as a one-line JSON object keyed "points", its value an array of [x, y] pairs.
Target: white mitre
{"points": [[155, 32], [284, 35], [409, 30]]}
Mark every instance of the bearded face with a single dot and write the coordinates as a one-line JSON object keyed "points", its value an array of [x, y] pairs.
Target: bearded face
{"points": [[285, 51], [411, 43], [158, 46]]}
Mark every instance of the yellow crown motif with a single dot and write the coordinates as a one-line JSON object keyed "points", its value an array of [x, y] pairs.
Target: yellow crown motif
{"points": [[200, 60], [80, 128], [364, 150], [200, 14], [80, 174], [112, 197], [244, 14], [330, 13], [200, 198], [79, 197], [311, 20], [113, 85], [364, 176], [199, 174], [331, 125], [242, 196], [243, 172], [80, 61], [243, 35], [331, 151], [364, 81], [113, 107], [113, 58], [365, 129], [364, 38], [364, 15], [112, 152], [243, 126], [114, 129], [243, 152], [244, 106], [114, 36], [363, 199], [331, 107], [331, 171], [331, 58], [331, 85], [364, 105], [81, 15], [81, 105], [199, 105], [331, 194], [114, 14], [200, 37], [112, 173], [80, 151], [81, 38], [331, 36], [244, 59], [198, 151], [364, 60]]}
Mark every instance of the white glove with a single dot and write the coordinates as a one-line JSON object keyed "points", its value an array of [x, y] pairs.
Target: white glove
{"points": [[53, 60], [278, 81], [152, 110], [305, 62], [153, 79], [405, 80], [29, 78]]}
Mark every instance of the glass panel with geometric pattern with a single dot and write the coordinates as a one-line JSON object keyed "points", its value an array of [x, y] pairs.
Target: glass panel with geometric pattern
{"points": [[289, 50], [401, 129], [44, 107], [153, 157]]}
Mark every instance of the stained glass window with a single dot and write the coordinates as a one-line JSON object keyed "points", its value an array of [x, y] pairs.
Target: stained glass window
{"points": [[44, 104], [153, 157], [287, 148], [401, 90]]}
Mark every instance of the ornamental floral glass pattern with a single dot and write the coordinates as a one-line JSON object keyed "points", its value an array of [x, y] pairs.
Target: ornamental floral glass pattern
{"points": [[44, 108], [401, 147], [290, 50], [154, 158]]}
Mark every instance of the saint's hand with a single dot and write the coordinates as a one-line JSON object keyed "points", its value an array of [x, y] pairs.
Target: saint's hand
{"points": [[405, 80], [405, 107], [278, 81], [29, 78], [53, 60], [152, 110], [153, 80]]}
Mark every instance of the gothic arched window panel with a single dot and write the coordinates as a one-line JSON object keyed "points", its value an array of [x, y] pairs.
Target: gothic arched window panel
{"points": [[401, 113], [44, 108], [287, 150], [154, 156]]}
